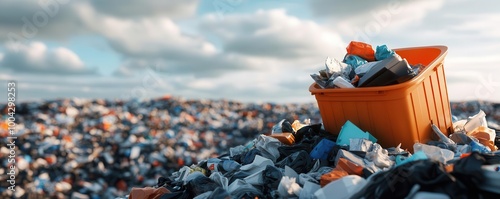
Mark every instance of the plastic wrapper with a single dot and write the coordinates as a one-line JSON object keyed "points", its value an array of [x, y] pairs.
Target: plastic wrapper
{"points": [[342, 188], [296, 125], [249, 157], [468, 170], [240, 189], [478, 147], [299, 161], [354, 61], [304, 178], [360, 144], [272, 177], [441, 135], [288, 187], [229, 165], [147, 192], [322, 149], [307, 131], [220, 179], [268, 147], [417, 68], [256, 178], [350, 167], [333, 175], [319, 80], [485, 136], [435, 153], [333, 67], [394, 183], [362, 50], [362, 69], [308, 190], [282, 126], [383, 52], [213, 164], [379, 157], [219, 193], [201, 184], [333, 70], [258, 164], [342, 83], [466, 126]]}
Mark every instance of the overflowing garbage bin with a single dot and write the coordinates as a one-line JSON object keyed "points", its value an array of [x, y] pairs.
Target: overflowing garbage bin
{"points": [[398, 113]]}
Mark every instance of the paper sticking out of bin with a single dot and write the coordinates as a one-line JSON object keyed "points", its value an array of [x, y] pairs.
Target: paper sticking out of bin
{"points": [[394, 114]]}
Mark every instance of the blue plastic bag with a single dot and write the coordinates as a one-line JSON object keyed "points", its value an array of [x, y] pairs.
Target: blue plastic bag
{"points": [[322, 149], [383, 52], [354, 61]]}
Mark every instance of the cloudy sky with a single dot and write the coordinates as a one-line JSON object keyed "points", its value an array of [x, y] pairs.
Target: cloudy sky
{"points": [[249, 50]]}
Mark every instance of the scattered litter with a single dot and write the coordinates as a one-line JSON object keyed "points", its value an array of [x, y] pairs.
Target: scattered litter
{"points": [[316, 164]]}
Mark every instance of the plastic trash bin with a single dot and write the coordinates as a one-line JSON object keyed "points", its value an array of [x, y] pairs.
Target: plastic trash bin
{"points": [[400, 113]]}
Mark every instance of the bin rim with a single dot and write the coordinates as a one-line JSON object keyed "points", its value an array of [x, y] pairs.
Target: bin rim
{"points": [[314, 88]]}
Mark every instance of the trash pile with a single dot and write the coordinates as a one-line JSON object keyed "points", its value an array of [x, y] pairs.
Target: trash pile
{"points": [[364, 67], [301, 160], [75, 148]]}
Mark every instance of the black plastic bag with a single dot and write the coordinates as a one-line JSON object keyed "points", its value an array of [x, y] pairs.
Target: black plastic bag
{"points": [[398, 181], [249, 156], [272, 177], [468, 171], [247, 192], [307, 144], [299, 161], [232, 176], [307, 131], [199, 185], [219, 193]]}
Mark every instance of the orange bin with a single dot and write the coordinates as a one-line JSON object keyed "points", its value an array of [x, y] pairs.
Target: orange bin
{"points": [[394, 114]]}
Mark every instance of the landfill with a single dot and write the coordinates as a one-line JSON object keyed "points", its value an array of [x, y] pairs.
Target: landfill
{"points": [[117, 149], [315, 164], [79, 148]]}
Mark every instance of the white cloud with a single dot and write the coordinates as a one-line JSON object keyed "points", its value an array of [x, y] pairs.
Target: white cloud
{"points": [[133, 8], [22, 20], [160, 42], [260, 40], [37, 58], [479, 25], [202, 84], [340, 8], [367, 19], [150, 37], [273, 33]]}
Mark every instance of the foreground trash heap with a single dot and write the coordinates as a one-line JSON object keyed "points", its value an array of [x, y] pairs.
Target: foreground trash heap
{"points": [[76, 148], [300, 160]]}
